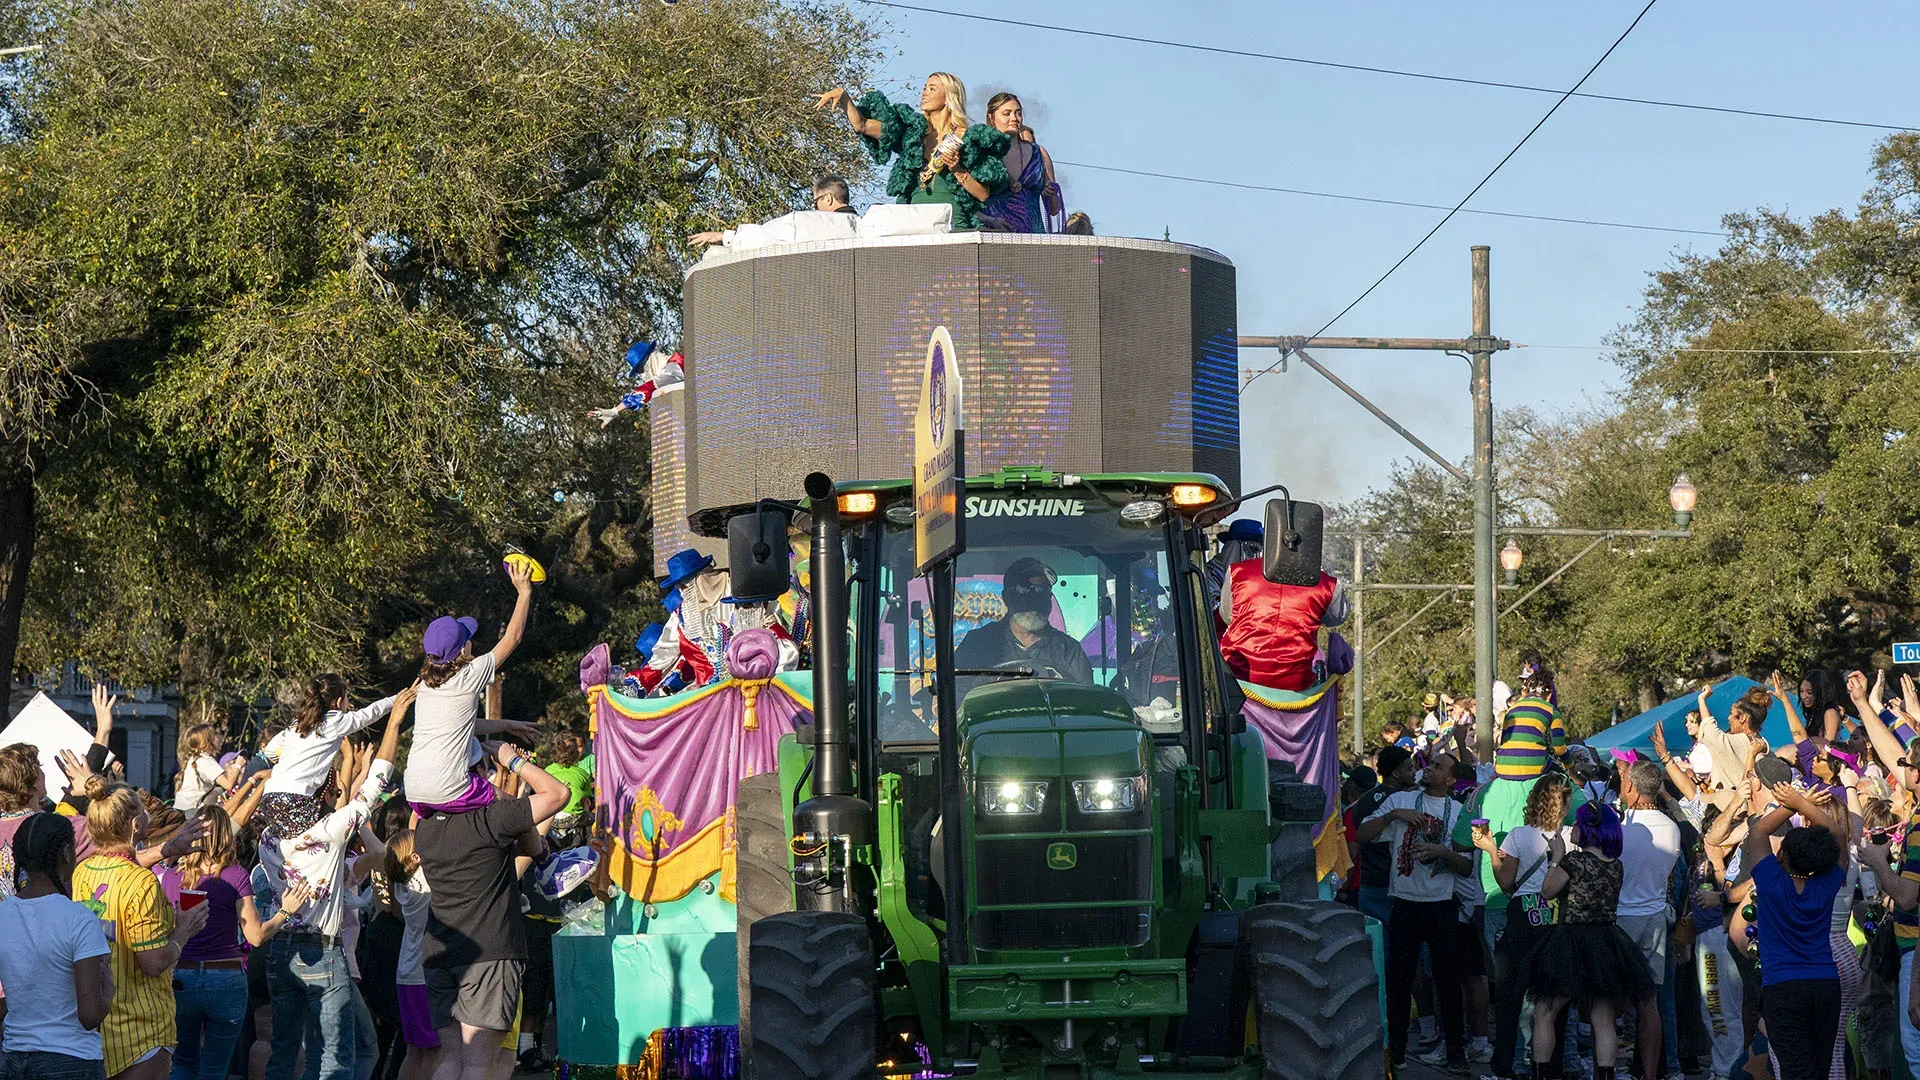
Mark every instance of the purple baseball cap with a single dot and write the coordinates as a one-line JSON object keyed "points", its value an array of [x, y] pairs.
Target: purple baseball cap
{"points": [[446, 636]]}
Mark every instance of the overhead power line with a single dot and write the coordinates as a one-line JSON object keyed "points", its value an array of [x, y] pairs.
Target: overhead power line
{"points": [[1384, 202], [1497, 166], [1372, 69], [1731, 352]]}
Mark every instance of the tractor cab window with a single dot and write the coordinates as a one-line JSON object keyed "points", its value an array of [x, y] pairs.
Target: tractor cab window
{"points": [[1050, 586]]}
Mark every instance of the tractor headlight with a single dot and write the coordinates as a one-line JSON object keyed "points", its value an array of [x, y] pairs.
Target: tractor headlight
{"points": [[1108, 795], [1012, 796]]}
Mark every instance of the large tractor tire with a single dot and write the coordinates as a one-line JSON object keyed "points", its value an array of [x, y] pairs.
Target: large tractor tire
{"points": [[1315, 997], [763, 880], [815, 1009]]}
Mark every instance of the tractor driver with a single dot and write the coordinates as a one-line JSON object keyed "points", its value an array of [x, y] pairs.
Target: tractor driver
{"points": [[1024, 638]]}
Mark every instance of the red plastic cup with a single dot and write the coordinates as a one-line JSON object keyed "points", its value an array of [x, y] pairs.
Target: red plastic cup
{"points": [[192, 898]]}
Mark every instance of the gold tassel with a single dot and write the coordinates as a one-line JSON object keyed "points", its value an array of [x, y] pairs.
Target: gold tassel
{"points": [[750, 696]]}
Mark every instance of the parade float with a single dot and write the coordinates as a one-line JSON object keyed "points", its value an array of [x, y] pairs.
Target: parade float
{"points": [[1096, 370]]}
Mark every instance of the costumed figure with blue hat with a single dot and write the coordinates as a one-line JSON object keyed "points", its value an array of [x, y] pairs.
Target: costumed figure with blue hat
{"points": [[704, 619], [654, 374], [1272, 629], [692, 590]]}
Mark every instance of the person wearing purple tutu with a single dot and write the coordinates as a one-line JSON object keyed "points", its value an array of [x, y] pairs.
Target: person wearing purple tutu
{"points": [[1585, 958]]}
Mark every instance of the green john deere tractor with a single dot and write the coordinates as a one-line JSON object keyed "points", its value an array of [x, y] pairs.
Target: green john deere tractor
{"points": [[1092, 870]]}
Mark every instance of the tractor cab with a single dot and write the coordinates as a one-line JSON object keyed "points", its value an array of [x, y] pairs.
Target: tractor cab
{"points": [[1085, 677]]}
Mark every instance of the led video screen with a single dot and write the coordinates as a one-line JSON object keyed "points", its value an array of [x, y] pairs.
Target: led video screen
{"points": [[1079, 354]]}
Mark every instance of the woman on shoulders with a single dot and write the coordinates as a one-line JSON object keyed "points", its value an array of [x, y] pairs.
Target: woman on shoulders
{"points": [[938, 155]]}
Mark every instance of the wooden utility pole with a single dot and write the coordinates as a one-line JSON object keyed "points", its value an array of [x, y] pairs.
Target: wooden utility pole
{"points": [[1485, 622], [1479, 348]]}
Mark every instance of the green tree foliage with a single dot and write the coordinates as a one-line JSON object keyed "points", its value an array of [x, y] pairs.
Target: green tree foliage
{"points": [[304, 304], [1778, 372]]}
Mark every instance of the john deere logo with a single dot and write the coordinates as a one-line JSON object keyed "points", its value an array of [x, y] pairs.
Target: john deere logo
{"points": [[1062, 857]]}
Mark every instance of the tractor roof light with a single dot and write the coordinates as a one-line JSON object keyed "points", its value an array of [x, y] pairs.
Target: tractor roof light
{"points": [[858, 503], [1193, 496], [1143, 511]]}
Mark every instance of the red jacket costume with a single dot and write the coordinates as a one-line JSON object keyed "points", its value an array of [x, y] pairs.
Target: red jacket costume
{"points": [[1275, 629]]}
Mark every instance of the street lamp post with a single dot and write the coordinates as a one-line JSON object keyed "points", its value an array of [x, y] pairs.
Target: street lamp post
{"points": [[1510, 559], [1682, 496]]}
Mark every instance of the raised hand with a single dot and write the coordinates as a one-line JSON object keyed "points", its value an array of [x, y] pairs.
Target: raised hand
{"points": [[1659, 741], [832, 98], [521, 574], [103, 704], [184, 839], [520, 729], [76, 769]]}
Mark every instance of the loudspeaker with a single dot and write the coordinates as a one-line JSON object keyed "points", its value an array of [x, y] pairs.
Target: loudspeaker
{"points": [[759, 559], [1292, 551]]}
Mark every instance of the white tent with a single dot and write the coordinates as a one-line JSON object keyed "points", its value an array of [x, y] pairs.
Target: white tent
{"points": [[48, 727]]}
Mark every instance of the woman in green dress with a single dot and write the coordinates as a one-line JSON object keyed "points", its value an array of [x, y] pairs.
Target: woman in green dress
{"points": [[938, 155]]}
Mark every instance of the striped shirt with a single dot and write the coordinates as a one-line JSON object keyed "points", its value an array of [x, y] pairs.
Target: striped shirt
{"points": [[1533, 733], [141, 1017], [1906, 920]]}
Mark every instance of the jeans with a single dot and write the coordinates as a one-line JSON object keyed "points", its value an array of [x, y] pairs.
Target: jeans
{"points": [[1909, 1035], [1509, 989], [1435, 924], [1375, 904], [1803, 1020], [309, 984], [45, 1065], [208, 1009], [1670, 1016]]}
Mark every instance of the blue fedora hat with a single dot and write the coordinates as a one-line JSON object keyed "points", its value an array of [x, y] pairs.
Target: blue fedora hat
{"points": [[1245, 529], [648, 639], [683, 567], [637, 356]]}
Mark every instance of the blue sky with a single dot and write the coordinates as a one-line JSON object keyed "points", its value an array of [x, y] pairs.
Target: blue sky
{"points": [[1300, 260]]}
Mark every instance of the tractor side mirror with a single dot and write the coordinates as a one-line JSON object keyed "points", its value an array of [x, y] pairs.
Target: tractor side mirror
{"points": [[758, 554], [1291, 555]]}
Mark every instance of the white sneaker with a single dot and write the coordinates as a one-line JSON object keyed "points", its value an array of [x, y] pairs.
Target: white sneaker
{"points": [[1436, 1057], [1480, 1052]]}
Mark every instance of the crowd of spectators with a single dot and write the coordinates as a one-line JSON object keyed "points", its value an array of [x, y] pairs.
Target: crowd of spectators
{"points": [[295, 910], [1722, 906]]}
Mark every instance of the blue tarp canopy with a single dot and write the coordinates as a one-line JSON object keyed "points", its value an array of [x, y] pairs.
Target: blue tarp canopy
{"points": [[1637, 733]]}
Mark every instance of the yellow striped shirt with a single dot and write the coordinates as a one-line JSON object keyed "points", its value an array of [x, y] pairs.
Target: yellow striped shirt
{"points": [[141, 1018]]}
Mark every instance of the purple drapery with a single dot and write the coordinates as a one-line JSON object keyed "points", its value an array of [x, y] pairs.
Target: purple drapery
{"points": [[1304, 729], [667, 769]]}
